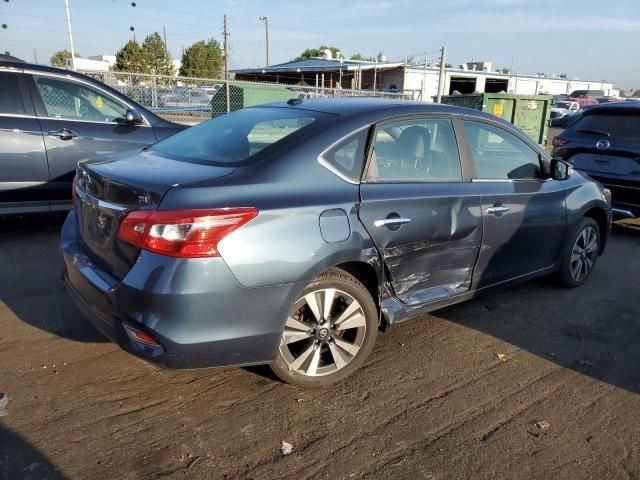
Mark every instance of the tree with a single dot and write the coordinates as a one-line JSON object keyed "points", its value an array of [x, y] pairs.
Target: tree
{"points": [[130, 58], [59, 59], [202, 60], [156, 56], [362, 58], [318, 52], [504, 70], [636, 93]]}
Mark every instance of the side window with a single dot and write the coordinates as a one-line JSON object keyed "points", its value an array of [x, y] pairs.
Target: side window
{"points": [[10, 98], [73, 101], [420, 150], [499, 154], [348, 155]]}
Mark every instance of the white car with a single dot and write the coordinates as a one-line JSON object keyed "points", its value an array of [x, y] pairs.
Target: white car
{"points": [[562, 111]]}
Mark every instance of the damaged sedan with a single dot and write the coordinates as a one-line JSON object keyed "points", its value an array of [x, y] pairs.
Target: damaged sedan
{"points": [[290, 234]]}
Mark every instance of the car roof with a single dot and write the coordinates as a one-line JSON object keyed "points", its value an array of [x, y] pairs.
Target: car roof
{"points": [[614, 107], [352, 107]]}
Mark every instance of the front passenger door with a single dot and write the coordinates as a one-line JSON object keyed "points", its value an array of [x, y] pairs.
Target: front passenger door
{"points": [[80, 121], [523, 211], [421, 213]]}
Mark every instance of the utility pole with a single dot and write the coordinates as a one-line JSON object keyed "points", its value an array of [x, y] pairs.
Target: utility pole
{"points": [[265, 19], [443, 57], [164, 34], [73, 52], [375, 74], [35, 56], [225, 35]]}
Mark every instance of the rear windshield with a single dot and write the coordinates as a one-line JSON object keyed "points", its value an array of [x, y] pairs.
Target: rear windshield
{"points": [[617, 125], [236, 137]]}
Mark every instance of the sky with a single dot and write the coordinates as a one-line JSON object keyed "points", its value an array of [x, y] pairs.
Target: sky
{"points": [[588, 39]]}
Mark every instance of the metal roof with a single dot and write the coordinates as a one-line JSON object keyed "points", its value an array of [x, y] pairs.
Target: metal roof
{"points": [[319, 64]]}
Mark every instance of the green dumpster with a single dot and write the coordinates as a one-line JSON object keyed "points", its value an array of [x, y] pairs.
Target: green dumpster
{"points": [[530, 113], [247, 94]]}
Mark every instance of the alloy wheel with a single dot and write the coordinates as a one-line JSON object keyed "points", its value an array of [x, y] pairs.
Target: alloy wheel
{"points": [[584, 253], [323, 333]]}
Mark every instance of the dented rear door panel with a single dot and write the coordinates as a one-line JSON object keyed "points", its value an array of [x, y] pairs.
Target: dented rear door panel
{"points": [[432, 256]]}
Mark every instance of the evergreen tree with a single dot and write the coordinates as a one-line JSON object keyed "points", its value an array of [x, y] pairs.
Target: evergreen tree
{"points": [[156, 55], [131, 59], [202, 60]]}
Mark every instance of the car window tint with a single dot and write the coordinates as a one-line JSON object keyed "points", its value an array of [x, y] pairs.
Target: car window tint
{"points": [[621, 125], [10, 99], [421, 150], [348, 155], [236, 136], [499, 154], [73, 101]]}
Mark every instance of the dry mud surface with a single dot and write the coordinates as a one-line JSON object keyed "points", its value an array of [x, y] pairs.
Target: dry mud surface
{"points": [[531, 382]]}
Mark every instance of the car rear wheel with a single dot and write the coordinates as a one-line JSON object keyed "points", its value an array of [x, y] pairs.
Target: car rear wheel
{"points": [[580, 254], [329, 332]]}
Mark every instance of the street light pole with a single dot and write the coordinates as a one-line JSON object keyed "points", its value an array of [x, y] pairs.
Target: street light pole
{"points": [[73, 53], [265, 19]]}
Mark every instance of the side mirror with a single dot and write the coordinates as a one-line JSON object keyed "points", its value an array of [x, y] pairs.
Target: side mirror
{"points": [[559, 169], [133, 117]]}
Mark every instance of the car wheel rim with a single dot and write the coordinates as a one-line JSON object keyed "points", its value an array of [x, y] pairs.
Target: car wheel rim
{"points": [[583, 254], [324, 332]]}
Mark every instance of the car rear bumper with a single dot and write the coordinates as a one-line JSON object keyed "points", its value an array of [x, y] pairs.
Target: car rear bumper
{"points": [[196, 310]]}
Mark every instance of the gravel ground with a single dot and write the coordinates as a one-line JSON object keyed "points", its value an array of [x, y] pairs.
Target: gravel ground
{"points": [[532, 382]]}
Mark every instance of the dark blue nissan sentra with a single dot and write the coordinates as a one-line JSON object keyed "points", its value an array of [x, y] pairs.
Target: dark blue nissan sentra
{"points": [[291, 233]]}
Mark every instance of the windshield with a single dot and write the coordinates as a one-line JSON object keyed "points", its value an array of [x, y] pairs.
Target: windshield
{"points": [[562, 105], [237, 136], [619, 125]]}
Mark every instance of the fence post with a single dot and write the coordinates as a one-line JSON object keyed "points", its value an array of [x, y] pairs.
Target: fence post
{"points": [[226, 86]]}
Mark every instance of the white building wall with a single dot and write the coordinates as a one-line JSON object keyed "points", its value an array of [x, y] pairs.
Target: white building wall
{"points": [[426, 81]]}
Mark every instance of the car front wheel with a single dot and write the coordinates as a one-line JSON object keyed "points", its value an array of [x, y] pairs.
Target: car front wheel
{"points": [[580, 254], [329, 332]]}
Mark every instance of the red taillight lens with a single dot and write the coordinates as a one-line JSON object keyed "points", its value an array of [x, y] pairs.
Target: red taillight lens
{"points": [[74, 196], [183, 233], [559, 142]]}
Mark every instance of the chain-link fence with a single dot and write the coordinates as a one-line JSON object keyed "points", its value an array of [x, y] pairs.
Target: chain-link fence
{"points": [[192, 100]]}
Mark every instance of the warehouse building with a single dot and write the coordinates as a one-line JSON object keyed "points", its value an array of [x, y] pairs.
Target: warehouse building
{"points": [[419, 80]]}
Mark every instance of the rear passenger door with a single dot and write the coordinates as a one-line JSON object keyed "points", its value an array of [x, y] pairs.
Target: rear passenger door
{"points": [[23, 161], [420, 211], [80, 121], [523, 211]]}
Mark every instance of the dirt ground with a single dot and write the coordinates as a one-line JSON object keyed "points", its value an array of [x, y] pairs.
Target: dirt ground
{"points": [[532, 382]]}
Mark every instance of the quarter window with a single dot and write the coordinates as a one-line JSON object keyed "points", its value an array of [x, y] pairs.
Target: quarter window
{"points": [[72, 101], [421, 150], [499, 154], [10, 98], [347, 156]]}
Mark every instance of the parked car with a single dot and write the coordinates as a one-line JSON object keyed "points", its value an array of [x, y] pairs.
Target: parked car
{"points": [[605, 144], [290, 233], [583, 101], [562, 111], [587, 94], [52, 118]]}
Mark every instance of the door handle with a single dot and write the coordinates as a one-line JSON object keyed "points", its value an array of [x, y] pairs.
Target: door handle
{"points": [[387, 222], [63, 134], [497, 211]]}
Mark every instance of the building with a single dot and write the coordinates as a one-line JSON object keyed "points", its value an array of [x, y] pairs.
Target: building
{"points": [[97, 63], [420, 80]]}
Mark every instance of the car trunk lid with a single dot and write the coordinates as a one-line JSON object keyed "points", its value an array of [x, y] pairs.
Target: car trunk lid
{"points": [[109, 189]]}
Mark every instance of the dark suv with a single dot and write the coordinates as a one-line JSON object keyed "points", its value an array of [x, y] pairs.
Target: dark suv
{"points": [[52, 118], [604, 142]]}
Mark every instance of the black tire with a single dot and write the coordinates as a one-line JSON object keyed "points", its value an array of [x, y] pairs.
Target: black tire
{"points": [[347, 290], [566, 274]]}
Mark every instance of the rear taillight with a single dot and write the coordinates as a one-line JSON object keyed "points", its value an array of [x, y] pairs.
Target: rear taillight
{"points": [[74, 195], [559, 142], [183, 233]]}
